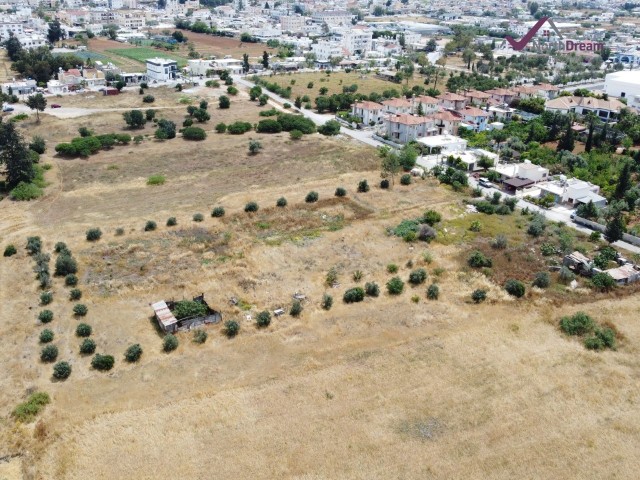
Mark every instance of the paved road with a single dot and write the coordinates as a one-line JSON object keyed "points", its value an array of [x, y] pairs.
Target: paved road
{"points": [[364, 136]]}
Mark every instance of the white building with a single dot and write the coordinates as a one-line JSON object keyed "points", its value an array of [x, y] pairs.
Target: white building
{"points": [[8, 28], [573, 191], [446, 144], [324, 51], [357, 41], [22, 87], [369, 112], [333, 18], [625, 84], [161, 69], [130, 19], [292, 23]]}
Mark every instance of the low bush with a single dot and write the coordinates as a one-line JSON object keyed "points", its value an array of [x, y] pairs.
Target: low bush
{"points": [[65, 265], [357, 275], [415, 298], [392, 268], [340, 192], [405, 179], [83, 330], [61, 370], [281, 202], [475, 226], [417, 276], [198, 217], [217, 212], [80, 310], [433, 292], [87, 347], [251, 207], [150, 226], [311, 197], [295, 134], [199, 336], [45, 316], [515, 288], [603, 281], [94, 234], [46, 298], [577, 324], [426, 233], [566, 276], [169, 343], [27, 411], [593, 343], [268, 125], [542, 280], [478, 260], [330, 128], [500, 242], [327, 301], [10, 250], [70, 280], [156, 180], [133, 353], [103, 362], [371, 289], [296, 308], [363, 186], [263, 319], [148, 99], [384, 184], [479, 296], [231, 328], [395, 286], [46, 336], [353, 295], [119, 231], [25, 191], [34, 245], [49, 353], [221, 127], [239, 128], [189, 308], [193, 133], [75, 294]]}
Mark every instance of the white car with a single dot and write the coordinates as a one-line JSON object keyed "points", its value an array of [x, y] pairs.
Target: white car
{"points": [[483, 182]]}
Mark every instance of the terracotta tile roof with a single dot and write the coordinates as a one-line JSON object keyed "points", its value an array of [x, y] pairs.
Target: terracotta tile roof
{"points": [[566, 103], [397, 102], [501, 92], [426, 99], [367, 105], [474, 112], [406, 119], [547, 87], [452, 97], [447, 116], [477, 94]]}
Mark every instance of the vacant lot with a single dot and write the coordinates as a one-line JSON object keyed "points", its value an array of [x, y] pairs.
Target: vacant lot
{"points": [[142, 54], [209, 45], [386, 388]]}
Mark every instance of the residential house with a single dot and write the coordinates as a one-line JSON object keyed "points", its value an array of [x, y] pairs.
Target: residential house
{"points": [[501, 113], [370, 113], [547, 91], [93, 78], [477, 97], [324, 51], [525, 91], [161, 69], [573, 191], [429, 104], [475, 118], [446, 122], [292, 23], [333, 18], [397, 105], [21, 87], [452, 101], [502, 95], [404, 128], [605, 109], [357, 40]]}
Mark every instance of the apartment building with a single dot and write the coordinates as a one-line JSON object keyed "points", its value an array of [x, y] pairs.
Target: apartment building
{"points": [[293, 23]]}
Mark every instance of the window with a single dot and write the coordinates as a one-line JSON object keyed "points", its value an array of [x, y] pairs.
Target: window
{"points": [[622, 94]]}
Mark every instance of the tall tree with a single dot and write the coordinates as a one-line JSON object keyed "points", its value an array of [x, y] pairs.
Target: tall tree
{"points": [[245, 62], [615, 228], [567, 142], [15, 156], [390, 163], [55, 32], [265, 59], [38, 103], [13, 46], [624, 181]]}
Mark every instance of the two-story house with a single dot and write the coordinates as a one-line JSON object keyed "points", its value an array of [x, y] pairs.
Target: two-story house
{"points": [[370, 113]]}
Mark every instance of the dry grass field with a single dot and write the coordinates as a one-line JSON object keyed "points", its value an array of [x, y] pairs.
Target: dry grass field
{"points": [[386, 388]]}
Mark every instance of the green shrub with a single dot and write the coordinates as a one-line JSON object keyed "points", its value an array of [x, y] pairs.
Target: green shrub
{"points": [[547, 249], [311, 197], [281, 202], [46, 336], [357, 275], [239, 128], [251, 207], [595, 236], [395, 286], [515, 288], [133, 353], [542, 280], [189, 308], [327, 301], [156, 180], [70, 280], [198, 217], [295, 134], [34, 245], [94, 234], [102, 362], [418, 276], [199, 336], [169, 343], [475, 226], [119, 231], [217, 212], [405, 179], [231, 328], [384, 184], [330, 128], [268, 125], [371, 289], [415, 298], [38, 145], [10, 250], [392, 268], [83, 330], [296, 308], [75, 294], [221, 127], [566, 276], [578, 324], [148, 99], [479, 296], [49, 353], [594, 343], [194, 133], [46, 298], [27, 411], [80, 309], [187, 122], [45, 316], [410, 236], [172, 222], [363, 186], [61, 370], [500, 242], [332, 277], [478, 260], [150, 226], [340, 192], [263, 319], [353, 295], [65, 265], [433, 292], [25, 192], [603, 281], [87, 347]]}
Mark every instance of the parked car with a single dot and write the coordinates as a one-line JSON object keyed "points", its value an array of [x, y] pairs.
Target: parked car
{"points": [[55, 105], [483, 182], [572, 216], [7, 109]]}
